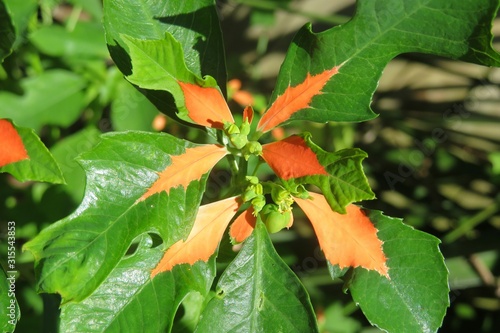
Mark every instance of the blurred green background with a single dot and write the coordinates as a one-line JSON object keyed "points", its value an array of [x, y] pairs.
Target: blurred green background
{"points": [[434, 155]]}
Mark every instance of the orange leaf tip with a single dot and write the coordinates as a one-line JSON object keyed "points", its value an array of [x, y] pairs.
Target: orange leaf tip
{"points": [[204, 237], [295, 99], [292, 158], [185, 168], [206, 105], [11, 145], [243, 226], [347, 240]]}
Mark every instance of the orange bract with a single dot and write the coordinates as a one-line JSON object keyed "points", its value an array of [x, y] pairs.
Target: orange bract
{"points": [[295, 99], [348, 240], [243, 226], [11, 145], [185, 168], [202, 241], [206, 106], [292, 158]]}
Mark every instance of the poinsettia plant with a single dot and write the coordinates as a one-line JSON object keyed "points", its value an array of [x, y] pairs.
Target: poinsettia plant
{"points": [[141, 244]]}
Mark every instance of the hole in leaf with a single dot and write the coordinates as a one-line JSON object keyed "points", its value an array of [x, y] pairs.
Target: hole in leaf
{"points": [[220, 293]]}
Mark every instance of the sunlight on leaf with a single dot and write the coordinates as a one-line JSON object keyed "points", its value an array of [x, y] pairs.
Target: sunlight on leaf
{"points": [[187, 167], [348, 240], [202, 241], [295, 99]]}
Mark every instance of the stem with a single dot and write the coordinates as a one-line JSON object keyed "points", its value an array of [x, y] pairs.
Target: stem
{"points": [[73, 18], [469, 224], [270, 5]]}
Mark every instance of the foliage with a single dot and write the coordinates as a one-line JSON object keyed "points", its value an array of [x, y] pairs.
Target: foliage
{"points": [[148, 238]]}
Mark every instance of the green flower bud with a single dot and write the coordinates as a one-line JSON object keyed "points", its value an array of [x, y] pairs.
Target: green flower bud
{"points": [[273, 219], [252, 180], [258, 203], [245, 127], [251, 192], [238, 140], [231, 128]]}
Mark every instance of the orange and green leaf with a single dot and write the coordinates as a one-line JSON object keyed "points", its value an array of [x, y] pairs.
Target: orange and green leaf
{"points": [[202, 241], [243, 226], [11, 145], [292, 158], [295, 99], [347, 240], [205, 105], [187, 167]]}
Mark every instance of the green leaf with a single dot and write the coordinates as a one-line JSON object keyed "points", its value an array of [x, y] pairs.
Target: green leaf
{"points": [[131, 110], [21, 12], [258, 293], [85, 41], [159, 65], [39, 166], [65, 152], [75, 255], [194, 24], [416, 296], [379, 31], [9, 309], [139, 304], [54, 97], [7, 32]]}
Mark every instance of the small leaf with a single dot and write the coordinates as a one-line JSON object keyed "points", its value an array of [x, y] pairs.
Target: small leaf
{"points": [[243, 226], [339, 175], [12, 148], [186, 167], [348, 240], [25, 157], [258, 292], [295, 99], [206, 106], [417, 292], [159, 65], [202, 241], [292, 158]]}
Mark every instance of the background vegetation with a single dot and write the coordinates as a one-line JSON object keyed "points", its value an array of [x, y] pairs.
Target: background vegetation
{"points": [[434, 155]]}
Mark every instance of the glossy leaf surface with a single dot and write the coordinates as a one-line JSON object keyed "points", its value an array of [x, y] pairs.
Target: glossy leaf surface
{"points": [[379, 31], [258, 293], [75, 255], [194, 24], [130, 301], [417, 293]]}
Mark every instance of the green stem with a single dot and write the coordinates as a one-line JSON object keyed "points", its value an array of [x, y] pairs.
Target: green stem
{"points": [[73, 18], [469, 224], [271, 5]]}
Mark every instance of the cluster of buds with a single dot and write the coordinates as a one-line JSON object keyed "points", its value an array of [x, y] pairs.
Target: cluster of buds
{"points": [[238, 137]]}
